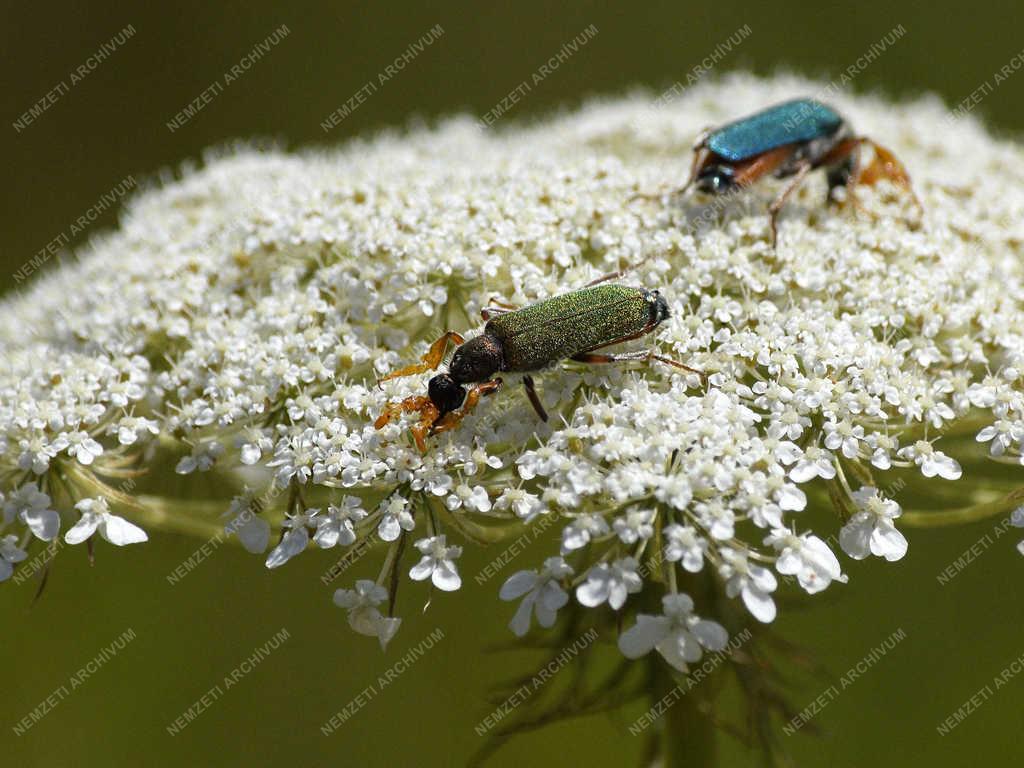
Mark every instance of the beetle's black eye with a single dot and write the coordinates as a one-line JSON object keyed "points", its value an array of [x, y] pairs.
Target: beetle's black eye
{"points": [[445, 393], [658, 306], [716, 180], [661, 310]]}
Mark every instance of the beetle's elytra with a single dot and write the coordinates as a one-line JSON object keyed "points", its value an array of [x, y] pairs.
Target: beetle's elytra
{"points": [[520, 340]]}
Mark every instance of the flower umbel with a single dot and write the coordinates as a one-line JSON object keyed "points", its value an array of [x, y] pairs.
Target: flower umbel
{"points": [[236, 325]]}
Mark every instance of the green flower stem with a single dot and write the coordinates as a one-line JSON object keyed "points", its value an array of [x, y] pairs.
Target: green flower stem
{"points": [[180, 516], [961, 515], [688, 735], [193, 517]]}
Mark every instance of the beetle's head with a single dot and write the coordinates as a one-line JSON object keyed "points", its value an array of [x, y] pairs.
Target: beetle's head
{"points": [[717, 180], [446, 393], [659, 307]]}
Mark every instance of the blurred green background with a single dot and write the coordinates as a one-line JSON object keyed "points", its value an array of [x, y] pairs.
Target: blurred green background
{"points": [[112, 124]]}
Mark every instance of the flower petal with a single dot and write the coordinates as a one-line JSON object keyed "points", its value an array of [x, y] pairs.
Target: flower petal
{"points": [[255, 535], [760, 605], [83, 529], [641, 638], [517, 585], [119, 531], [293, 543], [44, 523], [710, 634], [855, 538], [422, 569], [888, 542], [520, 623], [445, 577]]}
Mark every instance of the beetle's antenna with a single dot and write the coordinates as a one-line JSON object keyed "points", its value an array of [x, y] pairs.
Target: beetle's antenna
{"points": [[619, 272], [430, 361]]}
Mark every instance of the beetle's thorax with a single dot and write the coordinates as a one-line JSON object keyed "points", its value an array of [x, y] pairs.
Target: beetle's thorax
{"points": [[477, 360]]}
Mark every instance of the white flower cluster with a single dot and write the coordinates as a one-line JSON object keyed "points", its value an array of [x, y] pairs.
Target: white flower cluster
{"points": [[238, 319]]}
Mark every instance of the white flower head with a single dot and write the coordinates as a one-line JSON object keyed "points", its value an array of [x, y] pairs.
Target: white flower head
{"points": [[753, 583], [338, 525], [807, 557], [870, 530], [10, 554], [363, 614], [252, 446], [437, 563], [685, 546], [472, 498], [295, 539], [844, 437], [610, 583], [581, 530], [524, 504], [83, 447], [202, 458], [678, 634], [811, 463], [131, 428], [932, 462], [96, 516], [541, 592], [32, 507], [395, 518], [38, 451], [635, 525]]}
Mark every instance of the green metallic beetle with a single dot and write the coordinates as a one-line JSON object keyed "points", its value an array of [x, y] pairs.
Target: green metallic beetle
{"points": [[520, 340]]}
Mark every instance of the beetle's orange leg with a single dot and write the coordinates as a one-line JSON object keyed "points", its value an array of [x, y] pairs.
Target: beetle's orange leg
{"points": [[884, 165], [420, 430], [420, 403], [452, 419], [393, 410], [431, 360]]}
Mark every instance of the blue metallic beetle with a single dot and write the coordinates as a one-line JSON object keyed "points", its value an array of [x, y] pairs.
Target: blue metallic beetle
{"points": [[789, 140]]}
